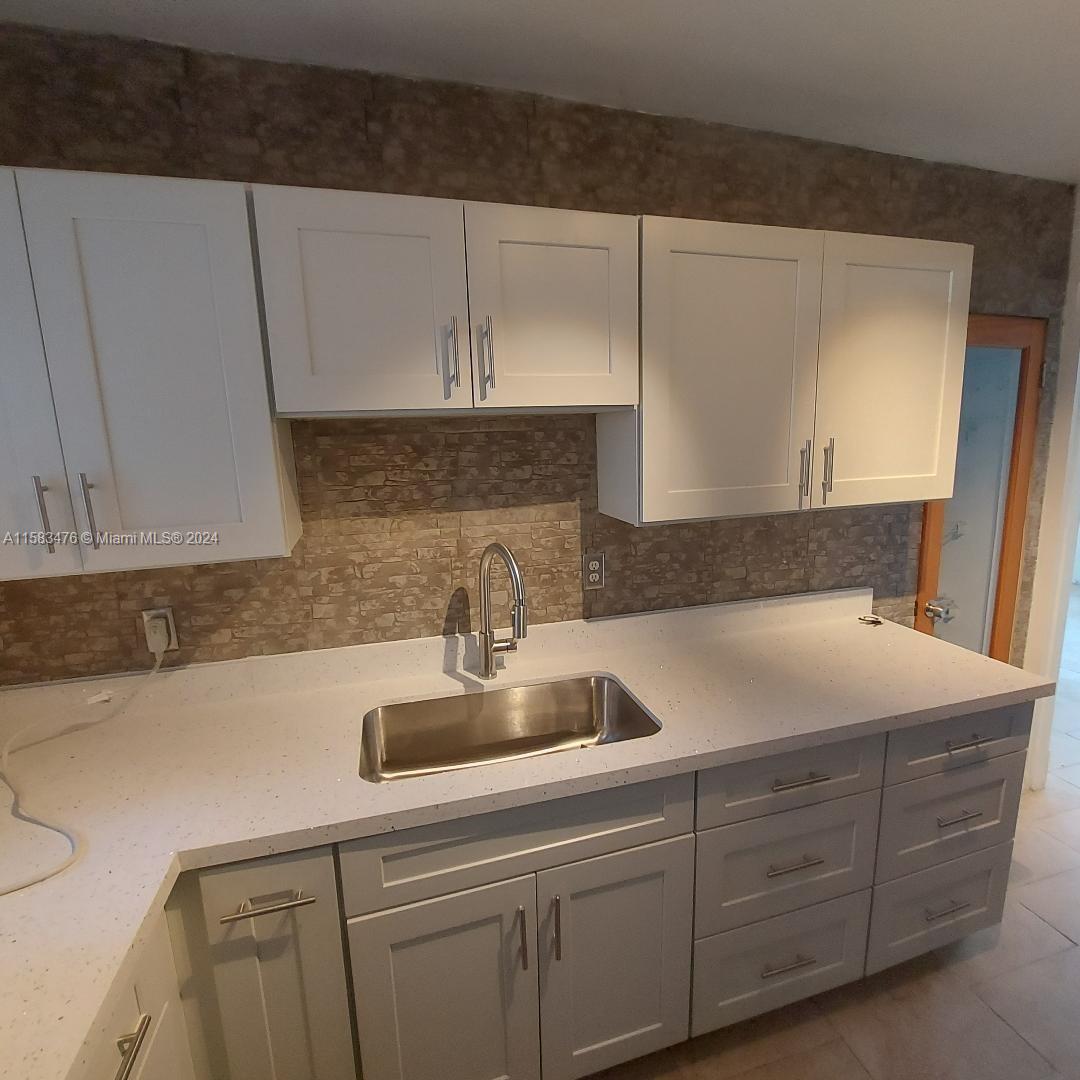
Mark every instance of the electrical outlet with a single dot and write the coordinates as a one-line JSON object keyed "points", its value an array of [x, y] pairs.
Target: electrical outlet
{"points": [[592, 569], [160, 613]]}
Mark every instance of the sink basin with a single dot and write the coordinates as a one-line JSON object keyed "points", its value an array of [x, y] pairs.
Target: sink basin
{"points": [[415, 738]]}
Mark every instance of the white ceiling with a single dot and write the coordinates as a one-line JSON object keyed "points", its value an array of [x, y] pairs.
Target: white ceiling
{"points": [[994, 83]]}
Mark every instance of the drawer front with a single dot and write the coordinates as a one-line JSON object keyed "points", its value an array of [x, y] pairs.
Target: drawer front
{"points": [[744, 972], [927, 910], [433, 860], [756, 869], [750, 789], [929, 821], [952, 744]]}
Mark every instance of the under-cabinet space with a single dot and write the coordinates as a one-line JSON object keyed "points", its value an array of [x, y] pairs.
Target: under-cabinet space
{"points": [[924, 911], [744, 972], [614, 957], [447, 989], [763, 867]]}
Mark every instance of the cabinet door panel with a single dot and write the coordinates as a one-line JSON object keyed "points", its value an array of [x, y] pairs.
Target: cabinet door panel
{"points": [[29, 441], [446, 989], [362, 292], [615, 957], [893, 332], [729, 357], [560, 290], [148, 312]]}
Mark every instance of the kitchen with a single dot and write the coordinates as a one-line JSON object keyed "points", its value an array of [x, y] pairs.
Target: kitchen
{"points": [[285, 231]]}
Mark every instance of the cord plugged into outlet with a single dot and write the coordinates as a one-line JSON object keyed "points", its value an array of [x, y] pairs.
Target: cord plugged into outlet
{"points": [[160, 630]]}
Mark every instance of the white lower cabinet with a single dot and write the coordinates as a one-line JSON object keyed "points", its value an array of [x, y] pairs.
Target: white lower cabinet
{"points": [[614, 957]]}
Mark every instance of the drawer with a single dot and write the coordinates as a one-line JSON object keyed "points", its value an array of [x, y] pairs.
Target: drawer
{"points": [[433, 860], [744, 972], [929, 821], [924, 911], [952, 744], [755, 869], [749, 789]]}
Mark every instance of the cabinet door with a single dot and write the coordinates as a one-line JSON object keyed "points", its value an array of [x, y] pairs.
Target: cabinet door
{"points": [[365, 300], [553, 296], [269, 987], [615, 957], [146, 292], [446, 989], [29, 442], [893, 331], [729, 320]]}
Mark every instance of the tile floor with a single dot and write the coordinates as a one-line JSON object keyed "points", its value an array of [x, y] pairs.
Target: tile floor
{"points": [[1004, 1004]]}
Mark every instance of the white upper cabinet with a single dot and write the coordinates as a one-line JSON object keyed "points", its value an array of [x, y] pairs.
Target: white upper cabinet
{"points": [[729, 344], [146, 297], [33, 488], [365, 297], [553, 300], [891, 370]]}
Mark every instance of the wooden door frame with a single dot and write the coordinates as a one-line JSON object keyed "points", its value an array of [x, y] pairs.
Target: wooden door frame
{"points": [[1029, 336]]}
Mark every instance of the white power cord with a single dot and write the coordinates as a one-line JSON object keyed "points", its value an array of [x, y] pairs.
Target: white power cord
{"points": [[158, 639]]}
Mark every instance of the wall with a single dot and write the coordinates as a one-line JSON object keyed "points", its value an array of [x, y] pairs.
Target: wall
{"points": [[395, 512]]}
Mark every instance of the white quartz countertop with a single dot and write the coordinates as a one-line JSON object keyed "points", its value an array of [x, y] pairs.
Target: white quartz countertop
{"points": [[235, 760]]}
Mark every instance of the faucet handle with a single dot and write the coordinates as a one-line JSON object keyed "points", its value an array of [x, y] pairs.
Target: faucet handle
{"points": [[520, 620]]}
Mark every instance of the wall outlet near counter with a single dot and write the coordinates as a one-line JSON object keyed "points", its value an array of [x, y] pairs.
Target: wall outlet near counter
{"points": [[592, 569], [150, 617]]}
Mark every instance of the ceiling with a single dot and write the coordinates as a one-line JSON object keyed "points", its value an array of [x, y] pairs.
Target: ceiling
{"points": [[993, 83]]}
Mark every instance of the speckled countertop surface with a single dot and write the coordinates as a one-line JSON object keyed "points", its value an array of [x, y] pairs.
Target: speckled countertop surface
{"points": [[240, 759]]}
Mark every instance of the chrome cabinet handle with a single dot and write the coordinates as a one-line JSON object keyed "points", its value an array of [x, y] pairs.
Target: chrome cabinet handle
{"points": [[88, 505], [807, 862], [489, 376], [798, 962], [43, 513], [248, 911], [524, 940], [805, 459], [455, 378], [806, 781], [952, 909], [827, 475], [558, 927], [130, 1045], [972, 744], [964, 815]]}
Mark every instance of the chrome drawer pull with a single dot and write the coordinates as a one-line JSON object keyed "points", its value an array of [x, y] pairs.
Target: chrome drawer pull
{"points": [[798, 962], [807, 862], [952, 909], [972, 744], [455, 378], [558, 927], [43, 513], [524, 940], [247, 911], [964, 815], [130, 1045], [806, 781], [88, 506]]}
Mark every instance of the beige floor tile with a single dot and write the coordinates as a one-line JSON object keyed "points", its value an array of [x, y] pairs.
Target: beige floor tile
{"points": [[1057, 901], [1070, 775], [1042, 1002], [1064, 751], [834, 1061], [1064, 827], [1038, 855], [1056, 798], [922, 1022], [1021, 938], [792, 1033]]}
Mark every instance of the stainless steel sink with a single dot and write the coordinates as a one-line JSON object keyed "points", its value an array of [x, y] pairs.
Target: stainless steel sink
{"points": [[415, 738]]}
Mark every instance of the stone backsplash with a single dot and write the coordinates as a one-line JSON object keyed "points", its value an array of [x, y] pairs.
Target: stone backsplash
{"points": [[396, 512]]}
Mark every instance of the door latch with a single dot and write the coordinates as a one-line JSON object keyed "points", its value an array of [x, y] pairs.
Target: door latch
{"points": [[939, 609]]}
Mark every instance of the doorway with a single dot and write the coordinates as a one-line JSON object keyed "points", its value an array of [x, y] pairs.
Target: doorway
{"points": [[972, 544]]}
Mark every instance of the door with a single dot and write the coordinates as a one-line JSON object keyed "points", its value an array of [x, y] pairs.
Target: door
{"points": [[446, 989], [553, 296], [268, 968], [972, 544], [729, 364], [34, 496], [893, 318], [146, 293], [615, 956], [365, 297]]}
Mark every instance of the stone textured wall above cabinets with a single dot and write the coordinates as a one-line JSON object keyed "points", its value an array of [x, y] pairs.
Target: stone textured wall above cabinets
{"points": [[396, 512]]}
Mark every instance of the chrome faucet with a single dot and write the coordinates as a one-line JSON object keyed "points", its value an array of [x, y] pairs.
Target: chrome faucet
{"points": [[490, 646]]}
